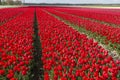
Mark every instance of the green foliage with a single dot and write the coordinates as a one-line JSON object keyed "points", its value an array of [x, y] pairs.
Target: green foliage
{"points": [[11, 2]]}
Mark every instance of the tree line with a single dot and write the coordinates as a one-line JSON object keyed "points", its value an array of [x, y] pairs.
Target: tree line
{"points": [[10, 2]]}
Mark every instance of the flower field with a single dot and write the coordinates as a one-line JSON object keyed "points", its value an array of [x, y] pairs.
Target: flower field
{"points": [[16, 38], [7, 14], [54, 43], [111, 34], [106, 15]]}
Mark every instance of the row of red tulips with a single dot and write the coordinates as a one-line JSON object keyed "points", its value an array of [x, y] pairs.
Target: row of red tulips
{"points": [[9, 13], [106, 15], [66, 53], [111, 34], [70, 55], [16, 39]]}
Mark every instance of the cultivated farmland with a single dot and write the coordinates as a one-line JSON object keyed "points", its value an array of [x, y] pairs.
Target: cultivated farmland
{"points": [[59, 43]]}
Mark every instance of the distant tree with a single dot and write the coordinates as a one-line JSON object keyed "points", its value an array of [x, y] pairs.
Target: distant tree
{"points": [[4, 2], [18, 2], [10, 2], [0, 2]]}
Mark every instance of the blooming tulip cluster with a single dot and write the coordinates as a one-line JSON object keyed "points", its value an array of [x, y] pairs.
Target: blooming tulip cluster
{"points": [[105, 15], [9, 13], [70, 55], [66, 53], [111, 34], [16, 39]]}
